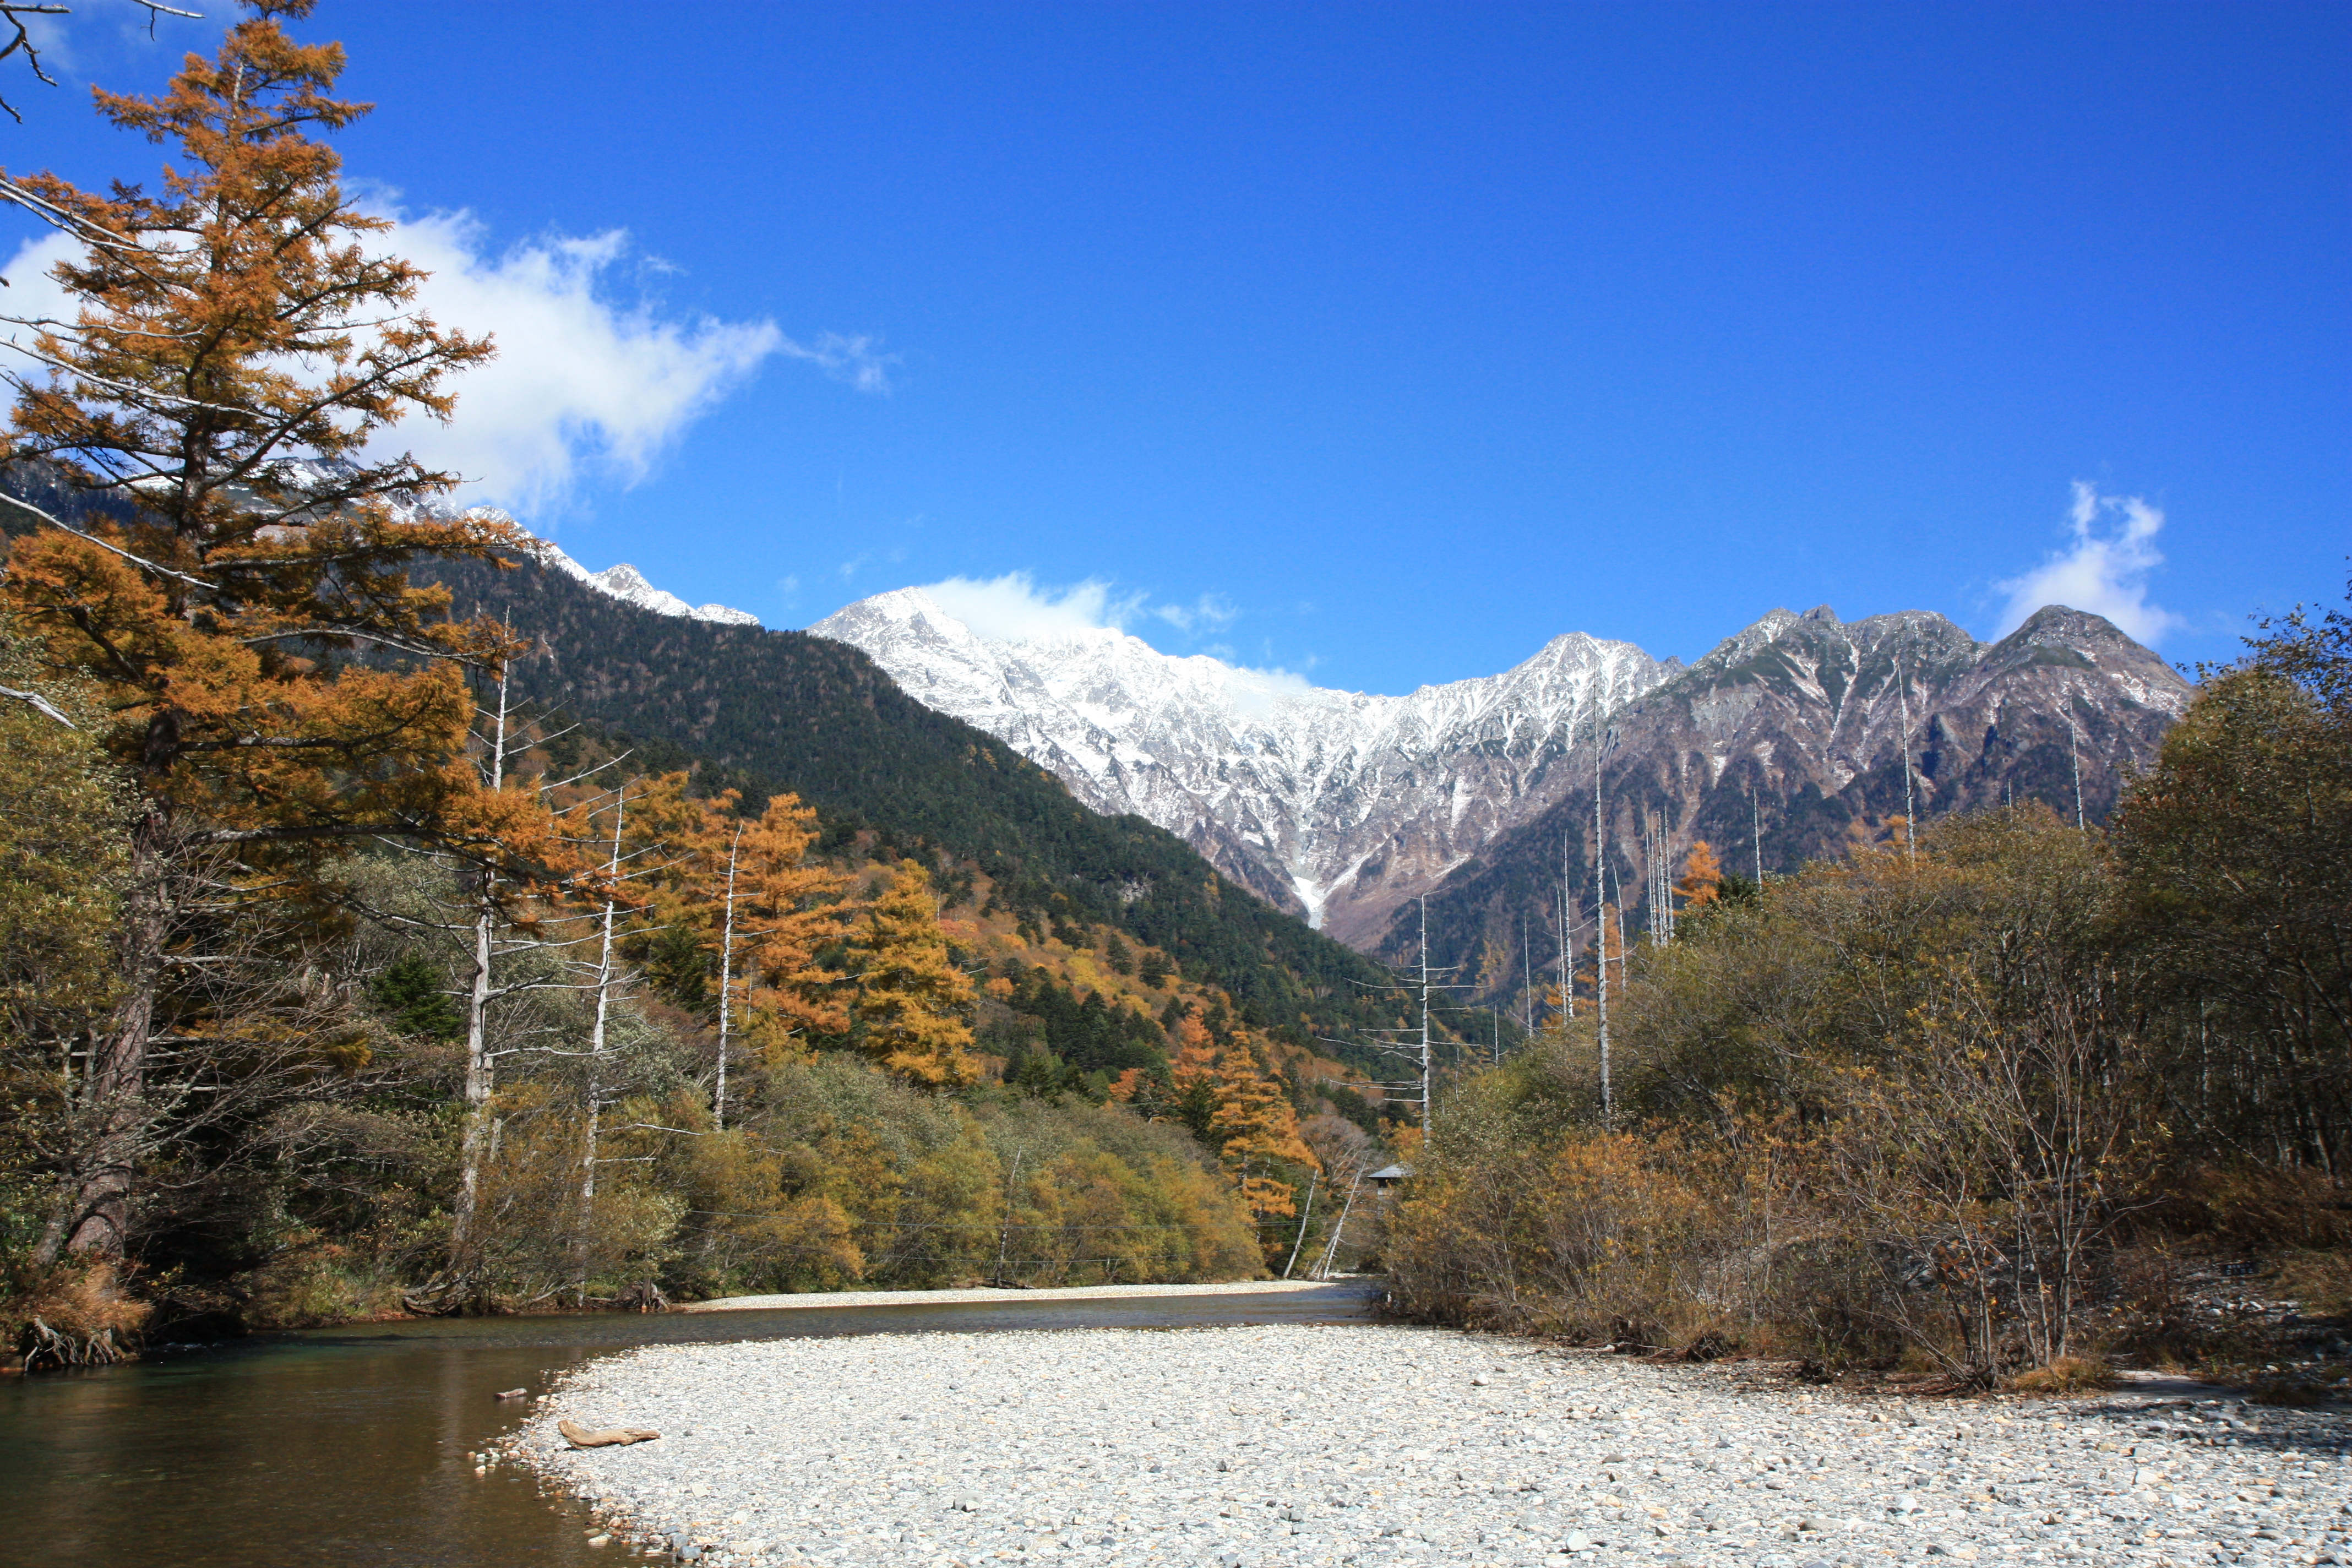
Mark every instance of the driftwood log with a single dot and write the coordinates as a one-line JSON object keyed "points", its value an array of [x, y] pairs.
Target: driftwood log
{"points": [[605, 1437]]}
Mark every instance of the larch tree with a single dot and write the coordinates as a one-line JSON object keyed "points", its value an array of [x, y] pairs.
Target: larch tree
{"points": [[1192, 1077], [1256, 1129], [771, 916], [1702, 879], [1233, 1104], [278, 686], [737, 916], [910, 1005]]}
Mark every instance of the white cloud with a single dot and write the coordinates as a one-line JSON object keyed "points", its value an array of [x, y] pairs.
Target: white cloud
{"points": [[2104, 571], [858, 361], [1013, 608], [33, 295], [587, 381], [582, 381]]}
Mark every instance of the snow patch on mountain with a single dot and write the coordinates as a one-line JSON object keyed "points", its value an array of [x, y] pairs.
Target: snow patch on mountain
{"points": [[1332, 802], [629, 586]]}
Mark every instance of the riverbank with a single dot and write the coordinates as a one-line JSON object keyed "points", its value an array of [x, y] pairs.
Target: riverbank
{"points": [[1379, 1444], [1006, 1297]]}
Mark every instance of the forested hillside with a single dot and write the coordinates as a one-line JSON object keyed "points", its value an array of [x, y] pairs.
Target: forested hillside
{"points": [[779, 711]]}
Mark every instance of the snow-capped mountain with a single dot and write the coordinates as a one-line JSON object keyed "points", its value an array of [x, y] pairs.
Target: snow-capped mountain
{"points": [[1801, 734], [1341, 805], [628, 585], [1331, 804]]}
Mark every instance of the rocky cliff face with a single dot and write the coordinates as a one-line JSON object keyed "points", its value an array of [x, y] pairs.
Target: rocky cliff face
{"points": [[1787, 743], [1341, 805]]}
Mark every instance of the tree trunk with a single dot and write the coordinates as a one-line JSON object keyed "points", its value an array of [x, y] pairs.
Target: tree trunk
{"points": [[478, 1081], [113, 1110], [477, 1073], [585, 1245]]}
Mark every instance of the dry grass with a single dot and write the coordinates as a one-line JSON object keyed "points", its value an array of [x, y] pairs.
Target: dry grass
{"points": [[313, 1288], [2066, 1375], [75, 1316], [2321, 1282]]}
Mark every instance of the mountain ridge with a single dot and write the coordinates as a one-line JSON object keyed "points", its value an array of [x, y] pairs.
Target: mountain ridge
{"points": [[629, 586], [1342, 805], [1289, 789], [1787, 746]]}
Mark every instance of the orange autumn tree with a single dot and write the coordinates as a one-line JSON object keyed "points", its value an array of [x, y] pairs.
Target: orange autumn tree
{"points": [[1702, 880], [910, 1006], [744, 898], [1233, 1102], [221, 396]]}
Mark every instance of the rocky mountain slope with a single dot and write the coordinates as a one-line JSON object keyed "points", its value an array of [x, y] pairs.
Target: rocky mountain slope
{"points": [[1341, 806], [1333, 805], [1786, 743]]}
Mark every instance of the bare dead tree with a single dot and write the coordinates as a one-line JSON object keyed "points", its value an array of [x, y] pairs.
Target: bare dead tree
{"points": [[15, 26]]}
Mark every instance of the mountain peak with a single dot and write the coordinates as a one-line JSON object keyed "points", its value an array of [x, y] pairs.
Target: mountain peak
{"points": [[628, 585], [1332, 803]]}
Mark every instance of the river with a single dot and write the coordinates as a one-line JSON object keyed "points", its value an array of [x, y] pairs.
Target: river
{"points": [[346, 1447]]}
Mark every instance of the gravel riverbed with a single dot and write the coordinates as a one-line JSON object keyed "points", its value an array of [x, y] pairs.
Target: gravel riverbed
{"points": [[1380, 1444]]}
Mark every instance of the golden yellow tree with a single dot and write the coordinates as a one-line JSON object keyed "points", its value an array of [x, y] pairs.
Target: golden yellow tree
{"points": [[1256, 1128], [1702, 880], [744, 893], [1235, 1106], [910, 1005]]}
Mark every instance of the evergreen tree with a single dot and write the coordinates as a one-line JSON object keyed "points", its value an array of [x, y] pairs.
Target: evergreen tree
{"points": [[412, 998]]}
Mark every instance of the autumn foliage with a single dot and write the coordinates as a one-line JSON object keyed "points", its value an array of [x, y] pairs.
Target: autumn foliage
{"points": [[1971, 1114]]}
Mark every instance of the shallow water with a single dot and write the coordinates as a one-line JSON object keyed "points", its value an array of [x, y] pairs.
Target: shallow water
{"points": [[348, 1446]]}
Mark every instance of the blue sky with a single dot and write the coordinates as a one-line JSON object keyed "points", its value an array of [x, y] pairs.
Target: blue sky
{"points": [[1380, 342]]}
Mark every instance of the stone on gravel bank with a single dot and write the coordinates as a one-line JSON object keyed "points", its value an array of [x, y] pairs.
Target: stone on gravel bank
{"points": [[1376, 1446]]}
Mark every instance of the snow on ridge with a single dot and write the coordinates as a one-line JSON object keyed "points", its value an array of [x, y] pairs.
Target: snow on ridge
{"points": [[1309, 783], [629, 586]]}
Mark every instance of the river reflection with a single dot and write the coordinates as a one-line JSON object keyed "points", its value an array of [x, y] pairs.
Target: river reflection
{"points": [[348, 1447]]}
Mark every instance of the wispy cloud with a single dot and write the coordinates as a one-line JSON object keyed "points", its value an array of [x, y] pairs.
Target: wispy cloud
{"points": [[1211, 612], [96, 32], [856, 361], [857, 563], [2103, 570]]}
